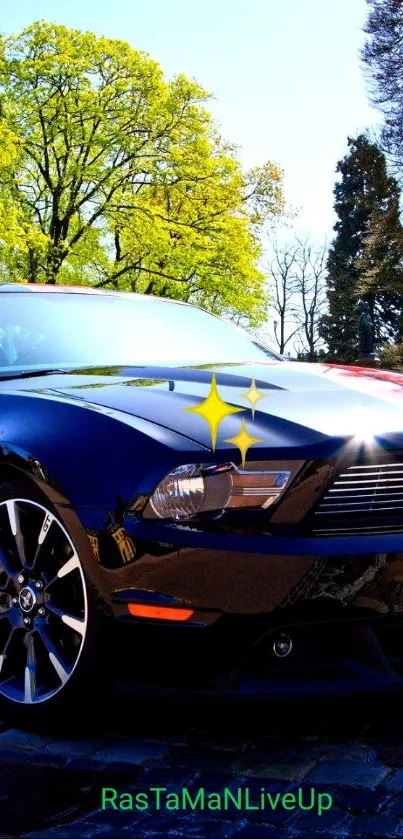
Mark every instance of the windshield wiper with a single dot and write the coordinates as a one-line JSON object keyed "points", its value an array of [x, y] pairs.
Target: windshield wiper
{"points": [[28, 374]]}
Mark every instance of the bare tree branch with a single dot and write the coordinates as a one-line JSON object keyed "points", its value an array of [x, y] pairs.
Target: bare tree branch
{"points": [[298, 286]]}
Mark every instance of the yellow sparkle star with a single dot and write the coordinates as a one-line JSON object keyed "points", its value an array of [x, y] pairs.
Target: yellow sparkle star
{"points": [[253, 395], [214, 410], [243, 440]]}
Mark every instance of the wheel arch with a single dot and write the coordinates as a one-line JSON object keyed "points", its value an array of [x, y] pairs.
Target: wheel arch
{"points": [[27, 471], [21, 466]]}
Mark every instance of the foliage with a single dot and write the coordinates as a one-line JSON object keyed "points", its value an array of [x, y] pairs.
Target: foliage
{"points": [[123, 176], [391, 356], [17, 233], [381, 265], [383, 64], [365, 252]]}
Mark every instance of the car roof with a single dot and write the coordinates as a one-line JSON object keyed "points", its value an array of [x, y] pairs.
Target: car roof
{"points": [[66, 289]]}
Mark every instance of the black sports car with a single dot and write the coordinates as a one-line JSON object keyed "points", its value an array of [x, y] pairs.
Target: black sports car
{"points": [[182, 503]]}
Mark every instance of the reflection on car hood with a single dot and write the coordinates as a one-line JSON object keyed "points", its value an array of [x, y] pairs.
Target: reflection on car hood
{"points": [[298, 400]]}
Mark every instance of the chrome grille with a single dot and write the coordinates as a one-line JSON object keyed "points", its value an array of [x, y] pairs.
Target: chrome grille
{"points": [[364, 498]]}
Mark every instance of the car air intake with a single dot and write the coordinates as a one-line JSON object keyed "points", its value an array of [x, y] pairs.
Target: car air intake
{"points": [[365, 497]]}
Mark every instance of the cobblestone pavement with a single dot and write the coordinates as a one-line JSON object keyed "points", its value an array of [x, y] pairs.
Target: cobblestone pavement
{"points": [[352, 749]]}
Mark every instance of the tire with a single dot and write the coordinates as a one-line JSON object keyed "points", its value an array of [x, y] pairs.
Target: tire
{"points": [[50, 626]]}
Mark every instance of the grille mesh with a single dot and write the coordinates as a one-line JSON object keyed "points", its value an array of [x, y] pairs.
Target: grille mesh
{"points": [[364, 498]]}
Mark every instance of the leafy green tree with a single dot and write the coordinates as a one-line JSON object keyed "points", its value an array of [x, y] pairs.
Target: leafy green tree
{"points": [[17, 233], [381, 264], [383, 65], [366, 201], [124, 175]]}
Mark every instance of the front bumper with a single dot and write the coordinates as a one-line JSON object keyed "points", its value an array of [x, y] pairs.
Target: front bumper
{"points": [[235, 659], [214, 583], [344, 618]]}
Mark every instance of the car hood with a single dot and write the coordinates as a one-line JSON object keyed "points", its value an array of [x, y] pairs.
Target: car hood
{"points": [[299, 402]]}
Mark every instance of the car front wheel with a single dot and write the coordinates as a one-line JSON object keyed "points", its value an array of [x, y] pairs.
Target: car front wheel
{"points": [[49, 626]]}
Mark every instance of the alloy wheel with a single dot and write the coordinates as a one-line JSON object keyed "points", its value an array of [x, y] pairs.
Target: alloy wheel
{"points": [[43, 603]]}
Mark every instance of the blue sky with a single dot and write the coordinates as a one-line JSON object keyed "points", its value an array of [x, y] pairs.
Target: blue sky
{"points": [[285, 75]]}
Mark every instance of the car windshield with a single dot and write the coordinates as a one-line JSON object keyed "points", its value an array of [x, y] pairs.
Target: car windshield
{"points": [[65, 329]]}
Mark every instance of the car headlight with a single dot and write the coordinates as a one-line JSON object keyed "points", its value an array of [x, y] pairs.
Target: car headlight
{"points": [[193, 489]]}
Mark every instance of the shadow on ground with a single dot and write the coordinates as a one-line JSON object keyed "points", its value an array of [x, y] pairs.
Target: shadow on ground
{"points": [[50, 780]]}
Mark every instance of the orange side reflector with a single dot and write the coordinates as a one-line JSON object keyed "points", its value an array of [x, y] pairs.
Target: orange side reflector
{"points": [[139, 610]]}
